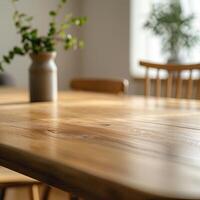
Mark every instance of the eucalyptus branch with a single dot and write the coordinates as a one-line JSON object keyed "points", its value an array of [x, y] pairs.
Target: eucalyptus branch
{"points": [[32, 42]]}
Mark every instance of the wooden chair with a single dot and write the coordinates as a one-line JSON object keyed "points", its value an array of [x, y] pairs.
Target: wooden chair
{"points": [[174, 81], [100, 85], [10, 179]]}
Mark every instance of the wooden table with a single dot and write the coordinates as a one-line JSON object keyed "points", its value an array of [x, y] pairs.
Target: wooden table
{"points": [[104, 147]]}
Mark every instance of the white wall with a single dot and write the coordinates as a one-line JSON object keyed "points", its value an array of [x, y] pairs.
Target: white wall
{"points": [[106, 34], [67, 62]]}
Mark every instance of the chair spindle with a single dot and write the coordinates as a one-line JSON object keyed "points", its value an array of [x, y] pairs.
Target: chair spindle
{"points": [[190, 85], [169, 84], [147, 83], [158, 83], [179, 86]]}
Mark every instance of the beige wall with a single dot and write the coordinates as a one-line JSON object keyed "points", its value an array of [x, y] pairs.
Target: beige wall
{"points": [[67, 62], [107, 39]]}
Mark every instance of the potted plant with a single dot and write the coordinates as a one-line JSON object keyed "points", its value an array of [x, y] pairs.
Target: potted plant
{"points": [[42, 49], [167, 21]]}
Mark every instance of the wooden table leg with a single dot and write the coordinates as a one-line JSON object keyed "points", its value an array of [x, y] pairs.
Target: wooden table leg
{"points": [[34, 192]]}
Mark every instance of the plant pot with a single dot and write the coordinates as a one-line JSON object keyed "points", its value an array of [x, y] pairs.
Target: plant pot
{"points": [[43, 77]]}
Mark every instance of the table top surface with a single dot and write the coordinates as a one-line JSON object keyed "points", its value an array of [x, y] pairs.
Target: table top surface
{"points": [[103, 146]]}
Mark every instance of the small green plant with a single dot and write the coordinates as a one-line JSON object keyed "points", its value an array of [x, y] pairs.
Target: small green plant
{"points": [[167, 21], [32, 42]]}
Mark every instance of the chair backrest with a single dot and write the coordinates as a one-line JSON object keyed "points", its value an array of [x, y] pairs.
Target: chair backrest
{"points": [[100, 85], [174, 79]]}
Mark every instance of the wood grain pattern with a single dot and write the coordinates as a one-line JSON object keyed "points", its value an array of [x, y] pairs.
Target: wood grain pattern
{"points": [[104, 147], [108, 86]]}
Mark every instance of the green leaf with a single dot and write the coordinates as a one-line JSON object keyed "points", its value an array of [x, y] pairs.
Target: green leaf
{"points": [[52, 13], [24, 28], [17, 24], [22, 15], [79, 21], [29, 19], [52, 31], [11, 54], [62, 34], [26, 47], [6, 59], [34, 33], [81, 44], [18, 51]]}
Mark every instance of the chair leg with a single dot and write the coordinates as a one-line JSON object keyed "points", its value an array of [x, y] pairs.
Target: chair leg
{"points": [[2, 193], [46, 193], [34, 192]]}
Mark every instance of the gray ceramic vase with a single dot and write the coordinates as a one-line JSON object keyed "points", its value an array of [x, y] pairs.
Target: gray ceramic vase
{"points": [[43, 77]]}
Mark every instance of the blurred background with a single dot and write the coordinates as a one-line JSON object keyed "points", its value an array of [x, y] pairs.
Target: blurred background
{"points": [[106, 53], [115, 39]]}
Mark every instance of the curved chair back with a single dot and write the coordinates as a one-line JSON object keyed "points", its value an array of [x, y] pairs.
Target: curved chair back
{"points": [[174, 79]]}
